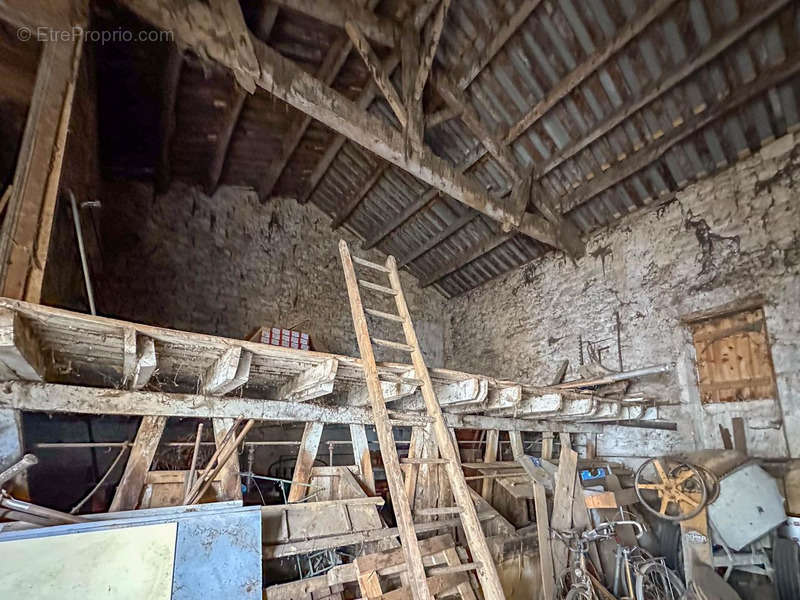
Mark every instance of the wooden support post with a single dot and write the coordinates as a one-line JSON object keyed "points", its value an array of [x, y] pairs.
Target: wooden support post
{"points": [[25, 234], [305, 460], [542, 521], [358, 436], [547, 445], [490, 455], [312, 383], [231, 482], [561, 519], [139, 361], [143, 450]]}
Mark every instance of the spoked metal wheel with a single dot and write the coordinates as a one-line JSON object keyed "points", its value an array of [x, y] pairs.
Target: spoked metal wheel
{"points": [[670, 489], [654, 581]]}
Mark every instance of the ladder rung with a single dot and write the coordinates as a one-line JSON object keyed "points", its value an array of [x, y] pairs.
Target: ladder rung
{"points": [[369, 264], [442, 510], [423, 461], [395, 345], [384, 315], [377, 287]]}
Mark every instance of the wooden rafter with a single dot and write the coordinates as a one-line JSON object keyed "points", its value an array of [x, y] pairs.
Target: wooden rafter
{"points": [[169, 83], [653, 152], [462, 259], [669, 80], [475, 64], [263, 28], [353, 203], [434, 241], [339, 12], [629, 31], [327, 72], [431, 43], [379, 75]]}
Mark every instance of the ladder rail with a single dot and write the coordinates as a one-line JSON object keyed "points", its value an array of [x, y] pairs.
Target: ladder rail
{"points": [[487, 571], [394, 476]]}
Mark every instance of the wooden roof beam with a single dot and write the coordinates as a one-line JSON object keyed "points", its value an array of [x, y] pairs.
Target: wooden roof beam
{"points": [[462, 259], [169, 84], [432, 34], [579, 74], [642, 159], [263, 28], [339, 12], [327, 72], [475, 64], [365, 99], [379, 75], [669, 80], [434, 241], [350, 207]]}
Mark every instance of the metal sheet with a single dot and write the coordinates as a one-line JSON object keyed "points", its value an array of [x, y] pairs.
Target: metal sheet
{"points": [[749, 505]]}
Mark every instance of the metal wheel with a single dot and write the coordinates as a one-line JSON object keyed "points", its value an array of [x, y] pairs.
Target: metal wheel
{"points": [[654, 581], [674, 498]]}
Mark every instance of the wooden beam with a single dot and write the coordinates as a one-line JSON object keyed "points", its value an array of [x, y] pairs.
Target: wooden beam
{"points": [[437, 239], [440, 116], [490, 455], [231, 119], [352, 204], [467, 391], [327, 72], [473, 65], [670, 79], [542, 521], [381, 78], [314, 382], [432, 34], [413, 208], [465, 257], [139, 360], [21, 356], [767, 79], [358, 436], [25, 234], [245, 64], [58, 398], [230, 481], [306, 455], [129, 490], [169, 84], [561, 519], [228, 372], [410, 61], [339, 13], [579, 74]]}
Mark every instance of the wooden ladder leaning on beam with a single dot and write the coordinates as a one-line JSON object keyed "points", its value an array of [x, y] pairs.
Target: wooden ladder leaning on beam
{"points": [[415, 572]]}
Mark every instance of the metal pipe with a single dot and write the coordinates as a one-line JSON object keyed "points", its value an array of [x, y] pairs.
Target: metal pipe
{"points": [[38, 511], [82, 250], [614, 377]]}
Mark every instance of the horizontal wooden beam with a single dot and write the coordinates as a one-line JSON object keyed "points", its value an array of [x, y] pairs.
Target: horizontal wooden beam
{"points": [[58, 398], [632, 164], [21, 355], [315, 382], [339, 12]]}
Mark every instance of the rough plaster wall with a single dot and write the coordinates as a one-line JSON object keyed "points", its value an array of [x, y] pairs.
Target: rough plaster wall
{"points": [[730, 236], [227, 264]]}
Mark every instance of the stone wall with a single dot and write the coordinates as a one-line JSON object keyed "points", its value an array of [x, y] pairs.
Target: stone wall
{"points": [[227, 264], [730, 236]]}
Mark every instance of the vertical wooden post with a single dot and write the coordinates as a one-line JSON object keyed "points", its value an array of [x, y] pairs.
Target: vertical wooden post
{"points": [[231, 482], [547, 445], [358, 435], [305, 460], [490, 455], [542, 522]]}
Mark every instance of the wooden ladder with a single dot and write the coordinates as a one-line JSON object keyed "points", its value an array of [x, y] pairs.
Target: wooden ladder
{"points": [[415, 572]]}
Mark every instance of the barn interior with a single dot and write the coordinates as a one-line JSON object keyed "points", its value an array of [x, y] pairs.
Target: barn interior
{"points": [[402, 299]]}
